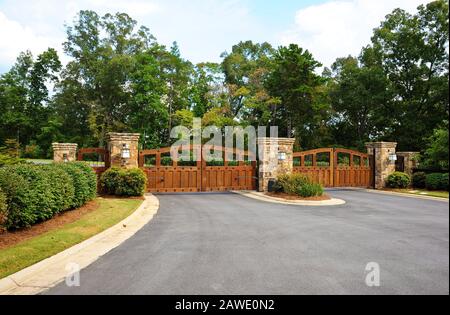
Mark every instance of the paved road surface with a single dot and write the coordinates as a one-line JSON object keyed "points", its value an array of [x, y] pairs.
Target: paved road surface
{"points": [[228, 244]]}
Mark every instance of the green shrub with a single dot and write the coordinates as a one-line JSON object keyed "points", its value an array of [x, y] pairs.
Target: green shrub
{"points": [[91, 178], [308, 190], [444, 182], [290, 184], [121, 182], [419, 180], [437, 181], [82, 190], [35, 193], [398, 180], [3, 210], [110, 180], [434, 181], [62, 190], [298, 184]]}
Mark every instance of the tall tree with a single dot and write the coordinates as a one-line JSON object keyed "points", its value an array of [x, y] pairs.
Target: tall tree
{"points": [[413, 51], [246, 69], [304, 109]]}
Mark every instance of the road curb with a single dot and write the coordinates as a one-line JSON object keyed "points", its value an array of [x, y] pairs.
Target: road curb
{"points": [[262, 197], [393, 193], [52, 271]]}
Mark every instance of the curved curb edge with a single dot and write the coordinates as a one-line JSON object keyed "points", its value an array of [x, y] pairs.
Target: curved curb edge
{"points": [[262, 197], [52, 271]]}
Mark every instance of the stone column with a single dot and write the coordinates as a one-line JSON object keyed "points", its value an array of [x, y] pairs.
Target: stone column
{"points": [[382, 164], [117, 142], [276, 157], [410, 161], [64, 152]]}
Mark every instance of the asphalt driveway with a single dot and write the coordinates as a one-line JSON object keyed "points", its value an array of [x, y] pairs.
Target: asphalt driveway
{"points": [[229, 244]]}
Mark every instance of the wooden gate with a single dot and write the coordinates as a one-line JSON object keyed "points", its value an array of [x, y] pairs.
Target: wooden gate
{"points": [[335, 167], [168, 176]]}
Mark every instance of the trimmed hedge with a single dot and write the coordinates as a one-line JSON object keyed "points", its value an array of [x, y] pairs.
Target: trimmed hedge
{"points": [[3, 209], [398, 180], [300, 185], [437, 181], [419, 180], [122, 182], [36, 193]]}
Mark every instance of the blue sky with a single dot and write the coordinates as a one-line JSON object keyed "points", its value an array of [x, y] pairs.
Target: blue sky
{"points": [[206, 28]]}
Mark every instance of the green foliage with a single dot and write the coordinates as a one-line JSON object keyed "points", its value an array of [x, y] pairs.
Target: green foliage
{"points": [[437, 153], [121, 79], [9, 154], [419, 180], [91, 179], [437, 181], [83, 184], [298, 184], [308, 190], [398, 180], [3, 209], [36, 193], [62, 191], [121, 182]]}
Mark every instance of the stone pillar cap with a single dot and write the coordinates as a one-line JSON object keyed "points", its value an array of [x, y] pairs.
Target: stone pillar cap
{"points": [[123, 136], [381, 144], [56, 144]]}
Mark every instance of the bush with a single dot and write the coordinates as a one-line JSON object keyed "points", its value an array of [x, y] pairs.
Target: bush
{"points": [[81, 184], [419, 180], [398, 180], [62, 190], [444, 182], [91, 178], [121, 182], [308, 190], [437, 181], [3, 210], [298, 184], [35, 193]]}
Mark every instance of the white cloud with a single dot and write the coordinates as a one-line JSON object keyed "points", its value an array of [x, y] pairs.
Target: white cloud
{"points": [[15, 38], [203, 28], [340, 28]]}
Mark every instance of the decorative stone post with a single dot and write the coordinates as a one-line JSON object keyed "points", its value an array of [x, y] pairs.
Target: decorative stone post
{"points": [[384, 166], [123, 149], [276, 157], [410, 161], [64, 152]]}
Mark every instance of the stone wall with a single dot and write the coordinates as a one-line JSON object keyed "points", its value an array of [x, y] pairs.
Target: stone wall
{"points": [[270, 166], [410, 160], [382, 164], [117, 142], [64, 152]]}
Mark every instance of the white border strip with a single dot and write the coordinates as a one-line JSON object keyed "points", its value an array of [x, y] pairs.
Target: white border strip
{"points": [[262, 197]]}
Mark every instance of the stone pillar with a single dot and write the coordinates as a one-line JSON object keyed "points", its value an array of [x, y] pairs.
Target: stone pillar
{"points": [[410, 160], [382, 164], [276, 157], [117, 142], [64, 152]]}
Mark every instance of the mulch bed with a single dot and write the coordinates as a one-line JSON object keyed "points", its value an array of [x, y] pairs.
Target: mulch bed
{"points": [[294, 198], [8, 239]]}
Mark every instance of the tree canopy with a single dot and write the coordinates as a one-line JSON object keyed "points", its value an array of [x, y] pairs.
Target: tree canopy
{"points": [[119, 78]]}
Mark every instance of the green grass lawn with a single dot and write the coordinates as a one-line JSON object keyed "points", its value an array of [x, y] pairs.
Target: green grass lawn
{"points": [[422, 192], [27, 253]]}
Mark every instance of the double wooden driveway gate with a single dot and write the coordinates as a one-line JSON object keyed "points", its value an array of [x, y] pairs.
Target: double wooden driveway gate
{"points": [[168, 176]]}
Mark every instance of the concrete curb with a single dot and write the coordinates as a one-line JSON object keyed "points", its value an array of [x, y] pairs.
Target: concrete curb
{"points": [[262, 197], [393, 193], [51, 271]]}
